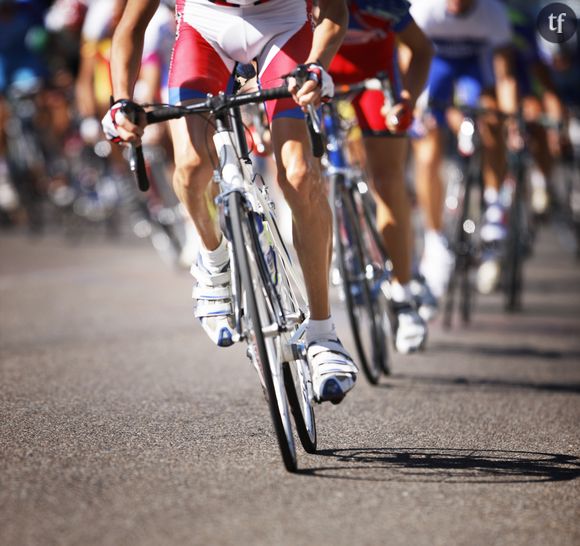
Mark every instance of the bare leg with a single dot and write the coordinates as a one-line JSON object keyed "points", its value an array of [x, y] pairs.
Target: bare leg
{"points": [[300, 179], [493, 149], [193, 171], [386, 163], [428, 153]]}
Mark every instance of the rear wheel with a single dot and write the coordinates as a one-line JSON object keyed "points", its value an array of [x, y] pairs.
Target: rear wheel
{"points": [[517, 240], [264, 346]]}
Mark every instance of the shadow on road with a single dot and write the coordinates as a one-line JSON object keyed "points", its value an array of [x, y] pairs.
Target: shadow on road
{"points": [[510, 351], [414, 380], [445, 465]]}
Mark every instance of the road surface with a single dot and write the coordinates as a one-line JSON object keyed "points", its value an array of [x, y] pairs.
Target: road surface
{"points": [[120, 423]]}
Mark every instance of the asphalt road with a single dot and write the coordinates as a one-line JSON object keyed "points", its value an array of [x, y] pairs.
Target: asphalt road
{"points": [[120, 424]]}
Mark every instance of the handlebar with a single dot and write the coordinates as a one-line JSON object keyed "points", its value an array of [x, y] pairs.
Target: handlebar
{"points": [[215, 105]]}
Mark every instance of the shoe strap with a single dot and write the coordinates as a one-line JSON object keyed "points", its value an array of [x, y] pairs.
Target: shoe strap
{"points": [[211, 293], [203, 276], [208, 309], [330, 357]]}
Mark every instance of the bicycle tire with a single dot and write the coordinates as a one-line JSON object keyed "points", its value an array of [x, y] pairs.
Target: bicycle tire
{"points": [[301, 405], [261, 349], [297, 378], [514, 265], [514, 248], [381, 257], [355, 286], [463, 249]]}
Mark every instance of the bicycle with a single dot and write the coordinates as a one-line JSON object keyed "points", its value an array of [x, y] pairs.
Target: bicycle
{"points": [[361, 259], [269, 298], [464, 206], [465, 239]]}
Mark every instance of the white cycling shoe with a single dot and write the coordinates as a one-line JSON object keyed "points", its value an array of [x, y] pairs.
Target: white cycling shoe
{"points": [[333, 371], [410, 330], [213, 302], [426, 302], [488, 275], [437, 263]]}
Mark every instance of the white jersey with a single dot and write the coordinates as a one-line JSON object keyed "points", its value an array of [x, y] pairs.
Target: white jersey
{"points": [[484, 26]]}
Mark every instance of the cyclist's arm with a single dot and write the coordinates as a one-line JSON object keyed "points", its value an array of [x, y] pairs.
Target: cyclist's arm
{"points": [[84, 86], [331, 25], [332, 22], [416, 61], [126, 52], [127, 47]]}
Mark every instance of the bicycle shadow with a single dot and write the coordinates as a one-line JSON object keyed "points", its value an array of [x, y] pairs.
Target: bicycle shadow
{"points": [[511, 351], [398, 380], [425, 465]]}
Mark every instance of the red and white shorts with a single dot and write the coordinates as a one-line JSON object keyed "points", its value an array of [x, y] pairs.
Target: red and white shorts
{"points": [[362, 55], [213, 36]]}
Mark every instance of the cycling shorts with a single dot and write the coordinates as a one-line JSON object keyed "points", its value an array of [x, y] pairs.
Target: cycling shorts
{"points": [[455, 81], [212, 37], [358, 59]]}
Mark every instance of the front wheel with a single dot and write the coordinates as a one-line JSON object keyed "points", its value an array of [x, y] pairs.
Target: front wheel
{"points": [[257, 321], [360, 283]]}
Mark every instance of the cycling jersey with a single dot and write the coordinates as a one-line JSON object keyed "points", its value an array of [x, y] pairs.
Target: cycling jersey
{"points": [[212, 37], [463, 36], [462, 46], [369, 48]]}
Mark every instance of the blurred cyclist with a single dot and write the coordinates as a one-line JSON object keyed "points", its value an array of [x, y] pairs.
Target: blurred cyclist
{"points": [[538, 95], [464, 31], [369, 48]]}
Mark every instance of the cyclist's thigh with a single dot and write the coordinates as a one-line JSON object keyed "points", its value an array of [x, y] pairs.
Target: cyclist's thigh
{"points": [[196, 67], [298, 170], [280, 57], [192, 142]]}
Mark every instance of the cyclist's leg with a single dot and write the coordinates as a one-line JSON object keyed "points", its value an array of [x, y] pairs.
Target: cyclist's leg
{"points": [[300, 179], [193, 151], [541, 151], [493, 230], [437, 261], [386, 158]]}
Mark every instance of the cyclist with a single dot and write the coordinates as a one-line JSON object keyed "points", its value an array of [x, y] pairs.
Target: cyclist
{"points": [[369, 48], [211, 37], [538, 95], [464, 31]]}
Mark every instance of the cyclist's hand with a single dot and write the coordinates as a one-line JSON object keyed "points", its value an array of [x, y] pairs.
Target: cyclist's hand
{"points": [[398, 118], [119, 128], [317, 87]]}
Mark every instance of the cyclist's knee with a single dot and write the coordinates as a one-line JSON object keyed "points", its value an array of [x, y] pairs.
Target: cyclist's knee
{"points": [[192, 174], [301, 183]]}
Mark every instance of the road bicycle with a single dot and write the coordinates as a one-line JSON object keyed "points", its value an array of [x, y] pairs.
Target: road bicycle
{"points": [[362, 268], [268, 294], [464, 205], [463, 208]]}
